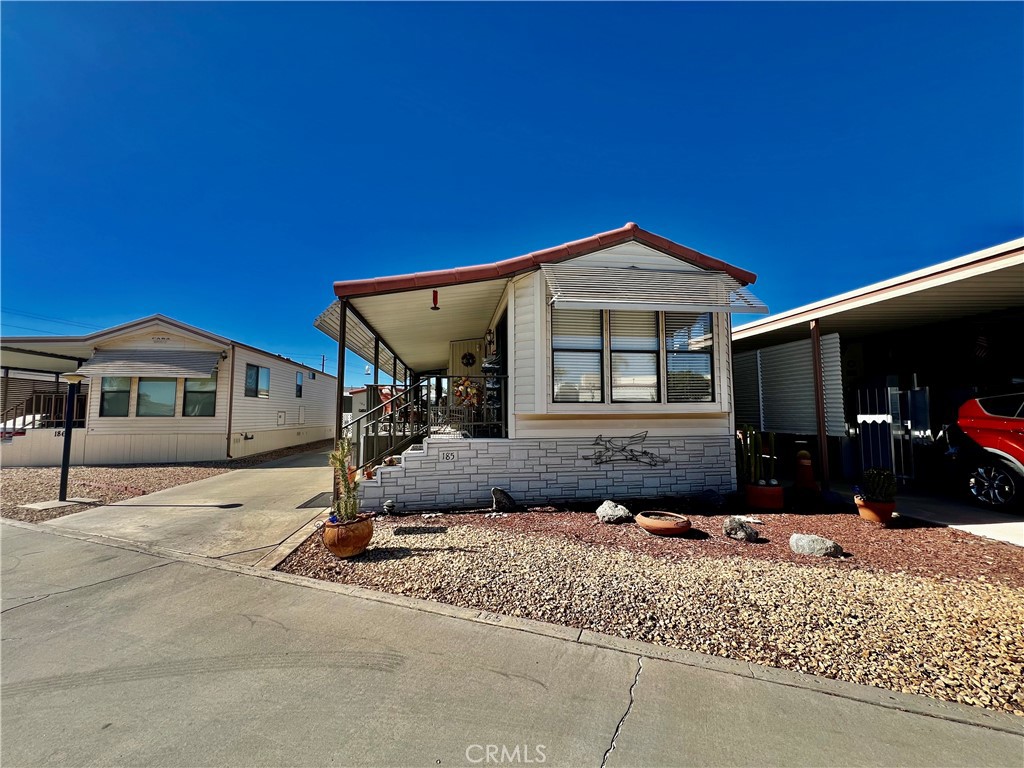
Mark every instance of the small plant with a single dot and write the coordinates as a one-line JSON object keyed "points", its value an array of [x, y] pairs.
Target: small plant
{"points": [[346, 485], [879, 485], [753, 465]]}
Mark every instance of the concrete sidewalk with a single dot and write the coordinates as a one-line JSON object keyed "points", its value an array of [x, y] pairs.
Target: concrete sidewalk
{"points": [[114, 655], [242, 516]]}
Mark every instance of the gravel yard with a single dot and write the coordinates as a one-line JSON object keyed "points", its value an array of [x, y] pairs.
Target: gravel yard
{"points": [[923, 610], [25, 485]]}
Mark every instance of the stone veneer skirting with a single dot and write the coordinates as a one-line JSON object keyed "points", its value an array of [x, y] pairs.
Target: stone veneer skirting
{"points": [[536, 471]]}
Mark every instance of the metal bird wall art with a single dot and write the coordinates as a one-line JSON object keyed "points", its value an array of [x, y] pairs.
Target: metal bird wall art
{"points": [[624, 449]]}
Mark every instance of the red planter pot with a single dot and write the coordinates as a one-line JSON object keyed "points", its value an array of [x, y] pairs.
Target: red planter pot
{"points": [[765, 497], [875, 511], [663, 523]]}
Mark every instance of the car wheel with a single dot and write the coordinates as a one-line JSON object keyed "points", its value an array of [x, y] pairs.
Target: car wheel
{"points": [[994, 484]]}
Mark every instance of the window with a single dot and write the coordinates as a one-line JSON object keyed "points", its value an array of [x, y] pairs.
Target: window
{"points": [[115, 391], [634, 348], [156, 397], [652, 356], [257, 381], [200, 397], [298, 384], [577, 345], [688, 350], [312, 375]]}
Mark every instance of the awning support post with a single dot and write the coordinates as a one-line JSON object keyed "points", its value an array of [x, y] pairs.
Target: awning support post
{"points": [[376, 363], [819, 403], [339, 416]]}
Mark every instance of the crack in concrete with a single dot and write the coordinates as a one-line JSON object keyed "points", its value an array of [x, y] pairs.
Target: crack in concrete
{"points": [[629, 707], [37, 598]]}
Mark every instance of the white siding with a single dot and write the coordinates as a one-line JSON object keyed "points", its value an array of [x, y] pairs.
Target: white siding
{"points": [[254, 416], [148, 426], [635, 254], [523, 361]]}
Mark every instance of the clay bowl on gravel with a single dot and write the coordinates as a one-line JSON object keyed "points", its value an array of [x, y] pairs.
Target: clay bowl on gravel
{"points": [[663, 523]]}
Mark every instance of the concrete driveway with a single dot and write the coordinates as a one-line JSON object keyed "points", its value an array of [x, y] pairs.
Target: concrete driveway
{"points": [[242, 516], [117, 656], [1001, 526]]}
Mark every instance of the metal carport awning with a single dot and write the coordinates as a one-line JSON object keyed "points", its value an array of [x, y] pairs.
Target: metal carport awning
{"points": [[576, 287], [156, 363]]}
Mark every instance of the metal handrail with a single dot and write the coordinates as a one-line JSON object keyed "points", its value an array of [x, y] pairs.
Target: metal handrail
{"points": [[410, 416]]}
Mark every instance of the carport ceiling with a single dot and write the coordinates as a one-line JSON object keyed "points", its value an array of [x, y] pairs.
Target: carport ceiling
{"points": [[419, 335], [24, 355], [961, 291]]}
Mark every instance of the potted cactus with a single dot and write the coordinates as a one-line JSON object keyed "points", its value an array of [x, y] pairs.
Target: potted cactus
{"points": [[346, 533], [756, 469], [876, 495]]}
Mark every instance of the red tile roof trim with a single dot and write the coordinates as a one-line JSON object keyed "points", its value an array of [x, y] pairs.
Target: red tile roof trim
{"points": [[442, 277]]}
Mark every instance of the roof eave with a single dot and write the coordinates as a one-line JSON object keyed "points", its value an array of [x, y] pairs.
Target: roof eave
{"points": [[531, 261]]}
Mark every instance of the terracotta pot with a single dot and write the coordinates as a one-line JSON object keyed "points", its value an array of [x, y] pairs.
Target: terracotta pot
{"points": [[875, 511], [348, 539], [765, 497], [663, 523]]}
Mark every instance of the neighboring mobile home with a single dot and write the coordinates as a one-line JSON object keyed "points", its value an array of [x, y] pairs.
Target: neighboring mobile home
{"points": [[895, 360], [600, 368], [157, 391]]}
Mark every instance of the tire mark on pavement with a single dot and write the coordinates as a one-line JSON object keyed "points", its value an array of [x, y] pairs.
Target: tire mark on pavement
{"points": [[37, 598], [324, 662]]}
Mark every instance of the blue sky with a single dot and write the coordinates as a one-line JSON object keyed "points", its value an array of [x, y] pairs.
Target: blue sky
{"points": [[225, 163]]}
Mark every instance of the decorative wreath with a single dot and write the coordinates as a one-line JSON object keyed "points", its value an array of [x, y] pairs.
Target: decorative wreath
{"points": [[466, 392], [469, 359]]}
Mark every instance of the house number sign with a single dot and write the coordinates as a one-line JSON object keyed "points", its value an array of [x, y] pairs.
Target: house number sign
{"points": [[449, 456]]}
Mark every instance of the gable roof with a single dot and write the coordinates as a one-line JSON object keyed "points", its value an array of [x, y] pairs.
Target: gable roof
{"points": [[444, 277], [67, 352]]}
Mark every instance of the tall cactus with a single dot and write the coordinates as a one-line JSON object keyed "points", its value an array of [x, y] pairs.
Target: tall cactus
{"points": [[756, 459], [771, 456]]}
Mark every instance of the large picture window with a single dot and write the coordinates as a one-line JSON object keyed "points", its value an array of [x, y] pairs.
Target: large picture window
{"points": [[634, 348], [200, 397], [688, 350], [653, 356], [156, 397], [577, 349], [257, 381], [115, 392], [298, 384]]}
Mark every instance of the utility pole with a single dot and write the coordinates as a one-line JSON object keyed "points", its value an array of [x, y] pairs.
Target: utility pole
{"points": [[323, 363]]}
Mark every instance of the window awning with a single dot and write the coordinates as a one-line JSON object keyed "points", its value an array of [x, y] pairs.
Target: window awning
{"points": [[157, 363], [578, 287]]}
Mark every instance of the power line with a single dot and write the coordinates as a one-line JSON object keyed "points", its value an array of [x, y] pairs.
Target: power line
{"points": [[50, 319], [26, 328]]}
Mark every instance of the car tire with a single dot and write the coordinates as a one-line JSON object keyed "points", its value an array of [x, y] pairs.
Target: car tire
{"points": [[994, 484]]}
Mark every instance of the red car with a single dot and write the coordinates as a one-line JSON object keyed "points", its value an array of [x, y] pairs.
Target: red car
{"points": [[994, 453]]}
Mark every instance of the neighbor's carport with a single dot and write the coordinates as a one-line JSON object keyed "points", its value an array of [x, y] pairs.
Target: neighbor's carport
{"points": [[952, 330]]}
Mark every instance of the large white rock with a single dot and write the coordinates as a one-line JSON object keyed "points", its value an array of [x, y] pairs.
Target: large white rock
{"points": [[610, 512]]}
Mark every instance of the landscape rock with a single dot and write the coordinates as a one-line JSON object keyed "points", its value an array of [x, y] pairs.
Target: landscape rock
{"points": [[736, 528], [809, 544], [610, 512], [503, 501], [389, 506]]}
